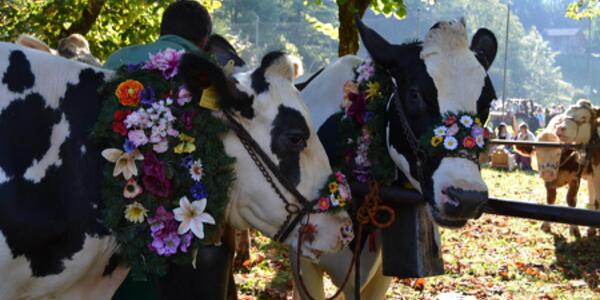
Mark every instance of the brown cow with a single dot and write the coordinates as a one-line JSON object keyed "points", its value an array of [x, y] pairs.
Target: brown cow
{"points": [[559, 167]]}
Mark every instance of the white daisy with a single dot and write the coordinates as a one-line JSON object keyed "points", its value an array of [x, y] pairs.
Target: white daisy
{"points": [[450, 143], [467, 121], [197, 170], [440, 131], [334, 200]]}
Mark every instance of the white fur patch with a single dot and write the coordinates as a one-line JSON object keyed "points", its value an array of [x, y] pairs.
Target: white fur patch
{"points": [[324, 94], [60, 133], [3, 177], [457, 172], [458, 76], [401, 161]]}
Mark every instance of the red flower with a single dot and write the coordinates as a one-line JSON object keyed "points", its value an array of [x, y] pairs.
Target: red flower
{"points": [[469, 142], [450, 120], [486, 133], [119, 117]]}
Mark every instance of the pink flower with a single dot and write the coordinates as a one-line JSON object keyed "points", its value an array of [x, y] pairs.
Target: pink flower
{"points": [[161, 147], [165, 61], [324, 204], [450, 120], [452, 130], [137, 137], [340, 177], [183, 96]]}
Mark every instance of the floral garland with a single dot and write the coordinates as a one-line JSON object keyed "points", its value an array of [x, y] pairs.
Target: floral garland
{"points": [[458, 133], [362, 126], [166, 186], [336, 194]]}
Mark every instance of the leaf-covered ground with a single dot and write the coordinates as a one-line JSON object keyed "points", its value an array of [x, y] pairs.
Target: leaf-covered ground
{"points": [[493, 257]]}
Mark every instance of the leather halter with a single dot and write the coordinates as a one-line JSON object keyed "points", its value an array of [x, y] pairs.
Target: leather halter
{"points": [[296, 211]]}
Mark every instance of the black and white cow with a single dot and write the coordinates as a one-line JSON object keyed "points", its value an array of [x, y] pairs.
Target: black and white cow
{"points": [[441, 74], [52, 242]]}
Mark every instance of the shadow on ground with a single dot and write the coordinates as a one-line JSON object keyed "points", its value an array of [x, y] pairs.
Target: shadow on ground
{"points": [[578, 259]]}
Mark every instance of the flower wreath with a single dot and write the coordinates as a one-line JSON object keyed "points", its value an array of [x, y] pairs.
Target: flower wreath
{"points": [[166, 186], [336, 194], [362, 125], [459, 133]]}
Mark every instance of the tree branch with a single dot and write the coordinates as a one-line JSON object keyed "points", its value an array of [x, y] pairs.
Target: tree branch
{"points": [[88, 17]]}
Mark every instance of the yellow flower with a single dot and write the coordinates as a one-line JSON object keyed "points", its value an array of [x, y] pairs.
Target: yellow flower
{"points": [[333, 187], [124, 162], [135, 212], [342, 201], [187, 144], [372, 89], [436, 141], [478, 122]]}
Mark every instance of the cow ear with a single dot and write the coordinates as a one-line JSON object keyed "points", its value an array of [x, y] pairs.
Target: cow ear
{"points": [[382, 52], [279, 64], [32, 42], [199, 73], [223, 51], [485, 46]]}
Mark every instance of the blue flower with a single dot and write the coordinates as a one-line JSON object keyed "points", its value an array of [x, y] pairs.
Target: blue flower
{"points": [[128, 146], [199, 191], [134, 67], [148, 96], [187, 161]]}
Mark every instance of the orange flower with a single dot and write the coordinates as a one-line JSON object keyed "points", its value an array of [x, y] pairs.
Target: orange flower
{"points": [[128, 92]]}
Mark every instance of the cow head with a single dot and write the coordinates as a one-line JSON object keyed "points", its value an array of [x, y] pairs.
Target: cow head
{"points": [[548, 158], [577, 124], [268, 106], [442, 74]]}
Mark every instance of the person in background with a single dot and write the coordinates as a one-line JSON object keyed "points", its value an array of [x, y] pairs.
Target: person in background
{"points": [[502, 132], [524, 162], [186, 25]]}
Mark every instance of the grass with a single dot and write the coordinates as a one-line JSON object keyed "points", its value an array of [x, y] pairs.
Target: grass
{"points": [[494, 257]]}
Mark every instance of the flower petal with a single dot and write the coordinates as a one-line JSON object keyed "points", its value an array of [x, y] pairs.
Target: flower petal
{"points": [[200, 205], [206, 218], [197, 228], [112, 154], [184, 227], [179, 213]]}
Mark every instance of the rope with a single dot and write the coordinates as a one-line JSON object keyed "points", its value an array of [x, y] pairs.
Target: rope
{"points": [[368, 213]]}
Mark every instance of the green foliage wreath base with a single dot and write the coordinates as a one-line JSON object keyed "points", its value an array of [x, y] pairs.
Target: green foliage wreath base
{"points": [[133, 238]]}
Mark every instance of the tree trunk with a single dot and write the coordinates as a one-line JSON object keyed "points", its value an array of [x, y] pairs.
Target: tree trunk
{"points": [[88, 17], [348, 33]]}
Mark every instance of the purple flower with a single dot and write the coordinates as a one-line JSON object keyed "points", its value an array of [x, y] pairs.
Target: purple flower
{"points": [[166, 245], [137, 137], [186, 241], [369, 115], [476, 131], [188, 118], [187, 161], [154, 178], [199, 191], [358, 108], [148, 96], [365, 71], [128, 146], [452, 130], [165, 61]]}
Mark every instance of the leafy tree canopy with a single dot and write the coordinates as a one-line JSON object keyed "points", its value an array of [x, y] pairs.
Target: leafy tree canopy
{"points": [[581, 9]]}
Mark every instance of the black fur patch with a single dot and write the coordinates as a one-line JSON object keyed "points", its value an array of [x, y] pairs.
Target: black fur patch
{"points": [[47, 222], [18, 76], [199, 73], [259, 82], [288, 120]]}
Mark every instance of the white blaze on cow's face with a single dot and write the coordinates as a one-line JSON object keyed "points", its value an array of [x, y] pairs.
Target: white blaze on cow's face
{"points": [[575, 125], [270, 108], [459, 79]]}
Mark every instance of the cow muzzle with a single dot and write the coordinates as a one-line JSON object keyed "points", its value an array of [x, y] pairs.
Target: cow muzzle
{"points": [[464, 204]]}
